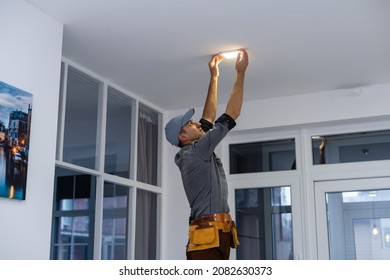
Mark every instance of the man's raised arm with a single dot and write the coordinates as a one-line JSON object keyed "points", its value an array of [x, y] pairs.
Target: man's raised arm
{"points": [[233, 108], [210, 106]]}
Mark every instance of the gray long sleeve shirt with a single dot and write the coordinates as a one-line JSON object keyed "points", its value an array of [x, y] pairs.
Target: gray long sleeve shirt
{"points": [[202, 172]]}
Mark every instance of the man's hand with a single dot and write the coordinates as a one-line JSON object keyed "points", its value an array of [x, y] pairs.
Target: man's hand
{"points": [[213, 64], [242, 61], [323, 143]]}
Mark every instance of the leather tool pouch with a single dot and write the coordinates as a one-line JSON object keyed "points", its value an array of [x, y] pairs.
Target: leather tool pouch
{"points": [[201, 238], [234, 238]]}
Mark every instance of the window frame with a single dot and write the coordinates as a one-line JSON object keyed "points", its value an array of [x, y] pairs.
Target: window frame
{"points": [[269, 179], [306, 174], [98, 172], [58, 214]]}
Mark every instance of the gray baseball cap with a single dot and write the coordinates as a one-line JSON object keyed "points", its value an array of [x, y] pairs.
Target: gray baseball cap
{"points": [[173, 127]]}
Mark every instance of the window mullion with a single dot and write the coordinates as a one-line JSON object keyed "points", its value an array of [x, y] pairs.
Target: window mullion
{"points": [[134, 148], [61, 113], [131, 224], [98, 228], [100, 152], [101, 128]]}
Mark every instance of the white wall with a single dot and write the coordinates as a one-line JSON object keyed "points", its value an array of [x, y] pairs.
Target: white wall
{"points": [[352, 105], [30, 59], [346, 104]]}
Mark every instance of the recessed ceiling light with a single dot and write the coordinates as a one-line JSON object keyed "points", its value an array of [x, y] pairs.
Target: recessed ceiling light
{"points": [[230, 54]]}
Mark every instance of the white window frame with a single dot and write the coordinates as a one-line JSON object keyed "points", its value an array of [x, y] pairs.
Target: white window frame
{"points": [[322, 188], [101, 177], [268, 179], [308, 237], [338, 171]]}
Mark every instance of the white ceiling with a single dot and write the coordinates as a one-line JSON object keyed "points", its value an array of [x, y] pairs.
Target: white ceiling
{"points": [[159, 50]]}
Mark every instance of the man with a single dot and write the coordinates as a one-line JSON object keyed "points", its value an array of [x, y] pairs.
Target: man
{"points": [[211, 231]]}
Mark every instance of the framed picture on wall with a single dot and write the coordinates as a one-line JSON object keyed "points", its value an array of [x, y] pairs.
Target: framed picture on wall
{"points": [[15, 121]]}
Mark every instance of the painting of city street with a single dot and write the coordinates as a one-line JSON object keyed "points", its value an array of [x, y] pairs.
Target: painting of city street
{"points": [[15, 120]]}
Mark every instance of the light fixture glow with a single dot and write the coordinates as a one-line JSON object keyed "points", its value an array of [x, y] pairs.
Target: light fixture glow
{"points": [[230, 54], [375, 230], [372, 194]]}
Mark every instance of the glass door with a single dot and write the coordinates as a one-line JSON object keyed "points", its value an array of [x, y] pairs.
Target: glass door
{"points": [[353, 219], [264, 223], [267, 199], [268, 217]]}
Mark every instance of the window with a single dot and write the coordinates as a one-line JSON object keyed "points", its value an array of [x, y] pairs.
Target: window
{"points": [[263, 207], [73, 216], [351, 147], [148, 134], [262, 156], [264, 223], [336, 203], [115, 222], [107, 172], [146, 226], [359, 225], [81, 123], [353, 218], [118, 133]]}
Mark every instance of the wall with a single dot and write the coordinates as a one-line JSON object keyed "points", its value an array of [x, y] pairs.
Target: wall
{"points": [[348, 105], [30, 56], [307, 109]]}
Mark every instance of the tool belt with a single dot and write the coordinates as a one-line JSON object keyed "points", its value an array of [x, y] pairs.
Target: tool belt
{"points": [[204, 232]]}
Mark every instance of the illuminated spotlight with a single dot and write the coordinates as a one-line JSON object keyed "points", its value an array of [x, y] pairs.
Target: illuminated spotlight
{"points": [[230, 54], [375, 230]]}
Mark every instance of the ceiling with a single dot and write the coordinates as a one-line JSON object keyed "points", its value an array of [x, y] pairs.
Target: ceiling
{"points": [[159, 50]]}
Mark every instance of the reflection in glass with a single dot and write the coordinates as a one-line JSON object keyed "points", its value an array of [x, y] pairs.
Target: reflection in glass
{"points": [[262, 156], [352, 147], [146, 226], [118, 133], [73, 192], [281, 196], [80, 130], [359, 225], [148, 131], [73, 235], [264, 223], [73, 217], [115, 216]]}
